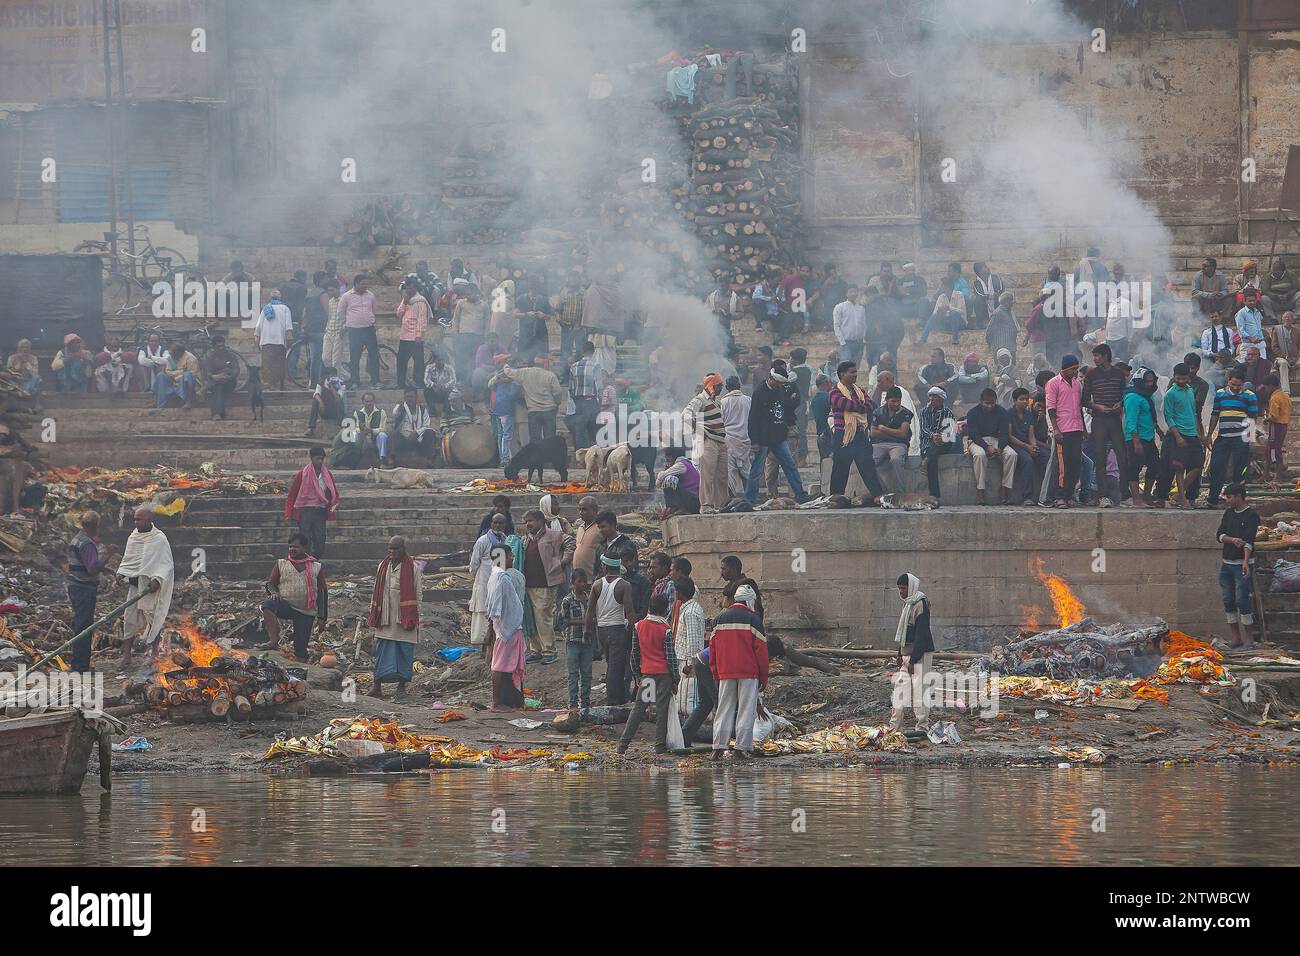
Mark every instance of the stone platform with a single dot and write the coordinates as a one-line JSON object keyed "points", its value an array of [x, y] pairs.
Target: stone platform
{"points": [[828, 577]]}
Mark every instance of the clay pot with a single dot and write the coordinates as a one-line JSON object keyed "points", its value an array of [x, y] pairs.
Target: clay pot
{"points": [[329, 659]]}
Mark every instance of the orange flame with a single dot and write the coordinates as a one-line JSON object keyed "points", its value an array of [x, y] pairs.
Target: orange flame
{"points": [[201, 652], [1069, 609]]}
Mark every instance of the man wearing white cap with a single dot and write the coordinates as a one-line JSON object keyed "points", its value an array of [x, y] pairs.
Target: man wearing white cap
{"points": [[738, 660], [938, 434]]}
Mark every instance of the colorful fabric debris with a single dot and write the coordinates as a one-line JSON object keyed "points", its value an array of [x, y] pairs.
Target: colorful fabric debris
{"points": [[844, 738], [443, 751]]}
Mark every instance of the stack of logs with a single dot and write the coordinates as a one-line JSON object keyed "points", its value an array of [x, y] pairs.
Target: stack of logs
{"points": [[18, 458], [227, 688], [743, 196], [462, 208]]}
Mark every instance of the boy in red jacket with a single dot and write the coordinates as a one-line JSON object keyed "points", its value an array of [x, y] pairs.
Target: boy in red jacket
{"points": [[738, 659], [654, 667]]}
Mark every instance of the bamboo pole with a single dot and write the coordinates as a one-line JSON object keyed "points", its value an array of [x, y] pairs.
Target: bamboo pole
{"points": [[106, 619]]}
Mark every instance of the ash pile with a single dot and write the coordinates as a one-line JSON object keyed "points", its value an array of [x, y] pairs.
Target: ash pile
{"points": [[1084, 650]]}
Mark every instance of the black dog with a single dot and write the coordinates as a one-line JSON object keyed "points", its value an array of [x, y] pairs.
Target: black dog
{"points": [[255, 392], [550, 452], [644, 457]]}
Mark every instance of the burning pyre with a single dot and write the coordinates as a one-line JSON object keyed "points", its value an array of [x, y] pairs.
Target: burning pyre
{"points": [[195, 678]]}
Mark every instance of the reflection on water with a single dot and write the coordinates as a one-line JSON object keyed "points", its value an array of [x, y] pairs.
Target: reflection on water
{"points": [[740, 816]]}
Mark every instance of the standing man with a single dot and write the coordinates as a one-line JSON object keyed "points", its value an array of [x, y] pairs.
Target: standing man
{"points": [[586, 383], [546, 552], [486, 555], [395, 616], [1183, 452], [654, 673], [413, 312], [1065, 414], [710, 424], [771, 412], [356, 309], [849, 322], [735, 421], [85, 562], [1235, 409], [612, 541], [803, 384], [1103, 395], [315, 324], [915, 654], [587, 535], [1236, 533], [738, 660], [1140, 430], [851, 413], [1032, 456], [274, 333], [147, 568], [299, 594], [220, 375], [543, 394], [313, 500], [609, 613]]}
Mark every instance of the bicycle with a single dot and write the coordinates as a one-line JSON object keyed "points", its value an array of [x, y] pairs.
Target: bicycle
{"points": [[298, 363], [129, 278], [197, 341]]}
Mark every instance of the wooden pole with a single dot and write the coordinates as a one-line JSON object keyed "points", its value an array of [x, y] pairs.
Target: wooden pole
{"points": [[106, 619]]}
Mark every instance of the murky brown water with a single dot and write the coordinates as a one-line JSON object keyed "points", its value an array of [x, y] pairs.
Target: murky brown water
{"points": [[742, 816]]}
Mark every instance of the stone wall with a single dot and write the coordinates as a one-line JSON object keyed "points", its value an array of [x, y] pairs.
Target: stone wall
{"points": [[977, 565]]}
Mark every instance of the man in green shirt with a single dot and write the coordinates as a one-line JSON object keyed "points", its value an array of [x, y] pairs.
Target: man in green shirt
{"points": [[1184, 452]]}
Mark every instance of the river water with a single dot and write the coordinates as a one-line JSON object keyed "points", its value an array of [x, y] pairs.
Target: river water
{"points": [[739, 816]]}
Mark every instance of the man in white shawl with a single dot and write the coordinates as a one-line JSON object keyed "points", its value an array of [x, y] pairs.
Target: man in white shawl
{"points": [[148, 569], [505, 609], [915, 654], [485, 556]]}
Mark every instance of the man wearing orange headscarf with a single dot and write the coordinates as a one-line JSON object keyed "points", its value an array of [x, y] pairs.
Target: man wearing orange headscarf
{"points": [[714, 493]]}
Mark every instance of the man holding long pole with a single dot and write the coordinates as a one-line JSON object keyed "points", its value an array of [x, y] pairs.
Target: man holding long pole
{"points": [[149, 573], [86, 559]]}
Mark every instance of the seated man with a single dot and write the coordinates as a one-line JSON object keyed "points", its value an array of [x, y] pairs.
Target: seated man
{"points": [[298, 594], [1279, 289], [1027, 438], [988, 431], [440, 385], [326, 402], [891, 434], [938, 435], [411, 432], [26, 366], [680, 482], [221, 375], [113, 367], [1285, 345], [179, 378], [72, 366]]}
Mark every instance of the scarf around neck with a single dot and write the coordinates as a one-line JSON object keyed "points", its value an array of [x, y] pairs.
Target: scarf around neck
{"points": [[409, 602], [853, 420]]}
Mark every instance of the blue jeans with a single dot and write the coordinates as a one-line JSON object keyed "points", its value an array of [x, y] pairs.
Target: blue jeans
{"points": [[316, 364], [505, 436], [782, 453], [951, 322], [164, 388], [578, 656], [1237, 594], [851, 352]]}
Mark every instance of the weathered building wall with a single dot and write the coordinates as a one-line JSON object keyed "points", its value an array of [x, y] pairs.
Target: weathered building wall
{"points": [[829, 577]]}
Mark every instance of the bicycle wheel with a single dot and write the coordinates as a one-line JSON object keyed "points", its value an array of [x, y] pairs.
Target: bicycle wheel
{"points": [[163, 264], [121, 294]]}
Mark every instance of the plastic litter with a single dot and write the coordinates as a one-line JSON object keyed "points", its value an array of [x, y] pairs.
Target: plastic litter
{"points": [[523, 723], [132, 745], [943, 733], [452, 654]]}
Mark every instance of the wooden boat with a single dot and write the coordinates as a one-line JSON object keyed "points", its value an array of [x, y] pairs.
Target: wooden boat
{"points": [[48, 752]]}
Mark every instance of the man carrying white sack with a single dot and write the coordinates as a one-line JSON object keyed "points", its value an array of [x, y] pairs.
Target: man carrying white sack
{"points": [[915, 654], [148, 569]]}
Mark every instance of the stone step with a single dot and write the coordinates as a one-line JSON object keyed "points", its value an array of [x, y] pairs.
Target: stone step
{"points": [[358, 495]]}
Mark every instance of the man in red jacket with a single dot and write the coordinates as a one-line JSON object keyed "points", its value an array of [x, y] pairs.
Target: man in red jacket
{"points": [[738, 659]]}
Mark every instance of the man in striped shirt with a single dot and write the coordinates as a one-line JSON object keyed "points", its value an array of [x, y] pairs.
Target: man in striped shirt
{"points": [[714, 492], [586, 382], [938, 435], [1235, 408]]}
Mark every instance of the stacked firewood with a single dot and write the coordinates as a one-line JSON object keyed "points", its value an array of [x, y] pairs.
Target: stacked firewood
{"points": [[743, 195], [241, 688]]}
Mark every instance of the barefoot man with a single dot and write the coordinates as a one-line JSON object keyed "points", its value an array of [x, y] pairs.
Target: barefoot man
{"points": [[395, 616], [148, 569], [505, 609]]}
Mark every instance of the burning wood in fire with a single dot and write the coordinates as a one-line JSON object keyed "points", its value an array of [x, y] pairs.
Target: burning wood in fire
{"points": [[195, 678], [1083, 649]]}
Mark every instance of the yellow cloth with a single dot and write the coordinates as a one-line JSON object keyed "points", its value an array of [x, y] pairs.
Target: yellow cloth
{"points": [[853, 420]]}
